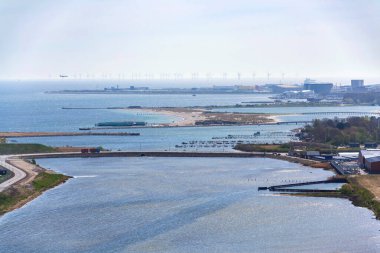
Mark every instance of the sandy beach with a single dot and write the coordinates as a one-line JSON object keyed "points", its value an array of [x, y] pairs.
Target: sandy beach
{"points": [[192, 117], [184, 116]]}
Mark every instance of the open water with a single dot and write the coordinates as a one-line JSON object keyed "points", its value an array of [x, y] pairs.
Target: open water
{"points": [[181, 205], [171, 204]]}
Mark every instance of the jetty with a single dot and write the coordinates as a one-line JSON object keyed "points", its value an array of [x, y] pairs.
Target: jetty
{"points": [[56, 134], [288, 187]]}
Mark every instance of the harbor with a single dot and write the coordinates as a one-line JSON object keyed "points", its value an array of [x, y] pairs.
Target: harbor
{"points": [[187, 126], [224, 176]]}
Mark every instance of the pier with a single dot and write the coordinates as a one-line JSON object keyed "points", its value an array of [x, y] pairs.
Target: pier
{"points": [[285, 187], [57, 134]]}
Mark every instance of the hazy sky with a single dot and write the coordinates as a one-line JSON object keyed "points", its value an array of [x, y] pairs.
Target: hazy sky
{"points": [[315, 38]]}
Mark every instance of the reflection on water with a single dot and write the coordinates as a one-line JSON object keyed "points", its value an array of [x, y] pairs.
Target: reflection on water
{"points": [[185, 205]]}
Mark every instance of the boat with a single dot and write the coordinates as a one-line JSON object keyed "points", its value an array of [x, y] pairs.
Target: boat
{"points": [[121, 124]]}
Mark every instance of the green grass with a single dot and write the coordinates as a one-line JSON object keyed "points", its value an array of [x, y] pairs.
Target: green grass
{"points": [[358, 195], [46, 180], [18, 148], [10, 198], [361, 197]]}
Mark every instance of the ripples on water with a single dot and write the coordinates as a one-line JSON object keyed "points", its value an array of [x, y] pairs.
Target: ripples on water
{"points": [[184, 205], [169, 204]]}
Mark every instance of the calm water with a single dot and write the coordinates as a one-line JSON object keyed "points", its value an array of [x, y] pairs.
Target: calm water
{"points": [[37, 111], [298, 113], [167, 138], [171, 204], [204, 205]]}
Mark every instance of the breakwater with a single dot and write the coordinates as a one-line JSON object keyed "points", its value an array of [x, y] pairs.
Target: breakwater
{"points": [[57, 134], [143, 153], [287, 187]]}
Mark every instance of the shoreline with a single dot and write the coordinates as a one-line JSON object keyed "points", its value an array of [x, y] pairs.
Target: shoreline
{"points": [[198, 117], [30, 198], [21, 193], [30, 187], [59, 134], [354, 191], [184, 117]]}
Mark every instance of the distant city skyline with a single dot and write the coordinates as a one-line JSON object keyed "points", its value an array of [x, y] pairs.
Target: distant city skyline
{"points": [[272, 39]]}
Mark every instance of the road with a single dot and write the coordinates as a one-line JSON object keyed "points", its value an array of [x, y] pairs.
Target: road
{"points": [[18, 174], [22, 174], [27, 171]]}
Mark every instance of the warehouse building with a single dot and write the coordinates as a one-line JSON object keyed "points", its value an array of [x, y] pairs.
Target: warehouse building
{"points": [[370, 160], [318, 88]]}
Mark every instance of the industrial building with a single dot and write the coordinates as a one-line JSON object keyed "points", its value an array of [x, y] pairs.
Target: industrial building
{"points": [[318, 88], [370, 160], [357, 85], [280, 88]]}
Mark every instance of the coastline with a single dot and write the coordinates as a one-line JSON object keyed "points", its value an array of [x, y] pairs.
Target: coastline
{"points": [[192, 117], [185, 117], [30, 187], [356, 190], [29, 198]]}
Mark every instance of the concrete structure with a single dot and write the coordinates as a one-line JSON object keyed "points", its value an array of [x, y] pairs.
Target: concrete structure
{"points": [[357, 85], [370, 160], [354, 145], [310, 154], [319, 88], [224, 87], [372, 145], [280, 88], [18, 173]]}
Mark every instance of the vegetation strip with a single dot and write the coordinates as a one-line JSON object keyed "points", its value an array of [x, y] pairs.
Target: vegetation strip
{"points": [[17, 196], [360, 196], [16, 148], [357, 194]]}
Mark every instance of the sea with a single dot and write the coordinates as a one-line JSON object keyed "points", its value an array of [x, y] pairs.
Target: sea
{"points": [[145, 204]]}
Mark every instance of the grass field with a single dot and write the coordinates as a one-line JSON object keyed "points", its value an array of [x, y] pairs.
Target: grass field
{"points": [[15, 197], [361, 196], [18, 148]]}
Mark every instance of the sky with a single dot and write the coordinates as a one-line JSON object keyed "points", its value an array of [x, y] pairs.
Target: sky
{"points": [[114, 38]]}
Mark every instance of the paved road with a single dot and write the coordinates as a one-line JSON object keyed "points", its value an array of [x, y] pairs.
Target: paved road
{"points": [[19, 174]]}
